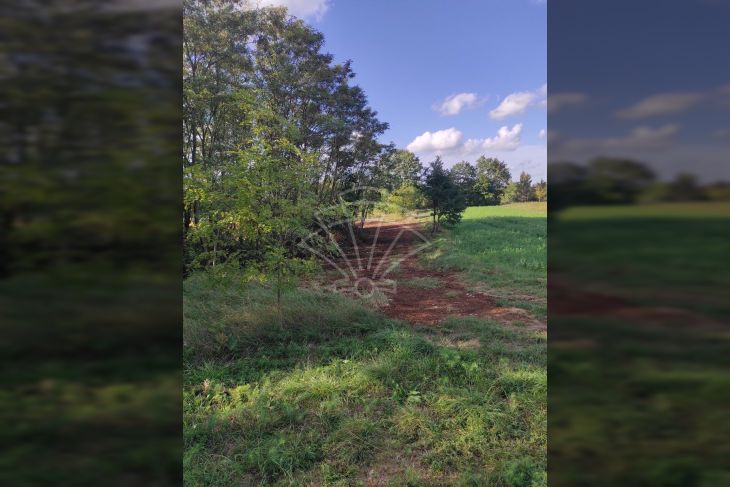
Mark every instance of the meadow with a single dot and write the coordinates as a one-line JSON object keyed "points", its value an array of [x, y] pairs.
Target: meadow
{"points": [[326, 390], [640, 397], [500, 250], [660, 255]]}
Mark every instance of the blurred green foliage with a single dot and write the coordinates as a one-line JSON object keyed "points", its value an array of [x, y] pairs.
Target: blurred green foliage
{"points": [[90, 193], [638, 368]]}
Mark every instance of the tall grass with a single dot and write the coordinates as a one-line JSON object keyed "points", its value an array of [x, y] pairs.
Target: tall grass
{"points": [[225, 317]]}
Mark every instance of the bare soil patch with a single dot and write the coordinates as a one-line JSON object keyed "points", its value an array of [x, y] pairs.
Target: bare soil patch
{"points": [[388, 253], [569, 300]]}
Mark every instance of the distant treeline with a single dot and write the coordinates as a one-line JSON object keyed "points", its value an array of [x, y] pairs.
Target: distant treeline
{"points": [[605, 181], [489, 182]]}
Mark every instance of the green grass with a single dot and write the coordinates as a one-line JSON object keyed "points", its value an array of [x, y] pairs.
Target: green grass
{"points": [[644, 403], [500, 249], [325, 391], [658, 260], [328, 392], [529, 210], [694, 209], [89, 390]]}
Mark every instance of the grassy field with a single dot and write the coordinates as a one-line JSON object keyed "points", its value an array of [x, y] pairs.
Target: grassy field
{"points": [[500, 249], [529, 210], [97, 397], [642, 401], [662, 255], [328, 392], [694, 210]]}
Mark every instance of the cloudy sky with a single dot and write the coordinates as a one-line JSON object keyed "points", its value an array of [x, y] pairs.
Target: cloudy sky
{"points": [[652, 85], [459, 79]]}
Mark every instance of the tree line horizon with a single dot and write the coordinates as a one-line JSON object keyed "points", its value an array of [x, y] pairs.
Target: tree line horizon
{"points": [[618, 181]]}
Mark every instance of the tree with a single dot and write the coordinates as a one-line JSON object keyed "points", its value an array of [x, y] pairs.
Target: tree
{"points": [[685, 188], [510, 194], [519, 191], [404, 169], [493, 176], [540, 190], [568, 183], [406, 199], [719, 191], [261, 99], [464, 176], [446, 200], [617, 180], [524, 188]]}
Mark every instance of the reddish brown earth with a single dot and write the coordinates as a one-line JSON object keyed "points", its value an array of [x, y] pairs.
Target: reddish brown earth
{"points": [[406, 300], [570, 300]]}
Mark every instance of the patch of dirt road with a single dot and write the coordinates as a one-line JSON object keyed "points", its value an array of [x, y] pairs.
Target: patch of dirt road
{"points": [[568, 299], [385, 258]]}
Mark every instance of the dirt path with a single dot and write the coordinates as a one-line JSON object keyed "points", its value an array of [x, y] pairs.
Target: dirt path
{"points": [[569, 299], [385, 260]]}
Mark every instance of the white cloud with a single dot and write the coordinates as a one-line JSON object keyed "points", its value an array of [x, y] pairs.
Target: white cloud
{"points": [[453, 104], [505, 145], [518, 102], [300, 8], [441, 140], [542, 134], [513, 104], [661, 104], [449, 141], [645, 138], [507, 139], [723, 133], [559, 101], [641, 140]]}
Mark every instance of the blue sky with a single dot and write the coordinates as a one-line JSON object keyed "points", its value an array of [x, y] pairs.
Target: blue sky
{"points": [[410, 56], [652, 86]]}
